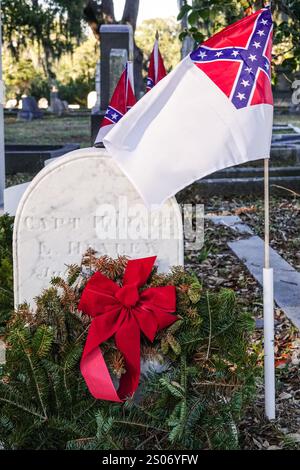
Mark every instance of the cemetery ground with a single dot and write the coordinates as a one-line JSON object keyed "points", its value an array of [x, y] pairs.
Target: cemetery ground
{"points": [[49, 130], [218, 267]]}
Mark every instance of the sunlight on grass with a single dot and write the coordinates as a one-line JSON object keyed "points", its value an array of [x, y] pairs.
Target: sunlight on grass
{"points": [[49, 130]]}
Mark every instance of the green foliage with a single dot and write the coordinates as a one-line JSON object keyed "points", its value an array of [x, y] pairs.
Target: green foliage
{"points": [[52, 24], [74, 73], [43, 400], [169, 43], [75, 91], [21, 76], [205, 17], [39, 87], [287, 35], [6, 270], [195, 403]]}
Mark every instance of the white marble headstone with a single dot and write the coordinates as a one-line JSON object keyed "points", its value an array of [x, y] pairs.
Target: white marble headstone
{"points": [[83, 200]]}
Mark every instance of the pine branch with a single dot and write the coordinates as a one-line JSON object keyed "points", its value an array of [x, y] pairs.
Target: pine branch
{"points": [[27, 355], [24, 408], [140, 425], [210, 327]]}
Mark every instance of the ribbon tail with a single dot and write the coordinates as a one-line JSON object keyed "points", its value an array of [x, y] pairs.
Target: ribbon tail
{"points": [[92, 365], [128, 342]]}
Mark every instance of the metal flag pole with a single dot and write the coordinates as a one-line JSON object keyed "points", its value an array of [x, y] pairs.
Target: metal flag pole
{"points": [[268, 302], [2, 154]]}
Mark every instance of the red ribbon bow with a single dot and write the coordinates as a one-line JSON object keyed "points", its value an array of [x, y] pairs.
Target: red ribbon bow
{"points": [[122, 312]]}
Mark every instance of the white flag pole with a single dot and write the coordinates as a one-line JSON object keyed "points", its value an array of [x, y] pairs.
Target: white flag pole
{"points": [[268, 301], [2, 154]]}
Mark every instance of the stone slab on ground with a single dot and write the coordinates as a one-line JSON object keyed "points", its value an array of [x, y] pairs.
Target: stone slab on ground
{"points": [[286, 278], [251, 252], [231, 221]]}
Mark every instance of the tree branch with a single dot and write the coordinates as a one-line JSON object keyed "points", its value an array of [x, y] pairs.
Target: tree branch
{"points": [[108, 11], [96, 14], [130, 12]]}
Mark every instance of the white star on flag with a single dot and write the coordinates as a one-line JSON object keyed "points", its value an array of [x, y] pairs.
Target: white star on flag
{"points": [[114, 116], [235, 53], [256, 44], [267, 66], [241, 96], [245, 83], [264, 22], [248, 69], [261, 33], [218, 54], [202, 54], [252, 57]]}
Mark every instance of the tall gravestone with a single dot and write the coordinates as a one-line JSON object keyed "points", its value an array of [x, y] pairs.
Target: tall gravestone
{"points": [[116, 48], [82, 201], [113, 37], [118, 59]]}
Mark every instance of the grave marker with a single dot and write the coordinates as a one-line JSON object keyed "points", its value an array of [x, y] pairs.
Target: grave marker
{"points": [[83, 200], [116, 47]]}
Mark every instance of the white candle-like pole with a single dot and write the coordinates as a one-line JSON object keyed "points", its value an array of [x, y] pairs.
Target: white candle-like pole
{"points": [[268, 300], [2, 154]]}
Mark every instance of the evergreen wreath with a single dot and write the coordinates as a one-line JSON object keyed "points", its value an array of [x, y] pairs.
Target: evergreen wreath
{"points": [[203, 376]]}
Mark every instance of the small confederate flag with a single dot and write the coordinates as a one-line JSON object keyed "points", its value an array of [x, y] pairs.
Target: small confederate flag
{"points": [[157, 69], [122, 100]]}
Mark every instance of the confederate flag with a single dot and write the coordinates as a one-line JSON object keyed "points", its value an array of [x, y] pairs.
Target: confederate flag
{"points": [[122, 100], [157, 69], [213, 111]]}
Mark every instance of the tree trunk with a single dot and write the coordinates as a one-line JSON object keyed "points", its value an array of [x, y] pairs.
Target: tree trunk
{"points": [[98, 14], [138, 67], [130, 13], [108, 11]]}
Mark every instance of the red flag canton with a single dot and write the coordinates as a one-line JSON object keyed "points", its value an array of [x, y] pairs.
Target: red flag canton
{"points": [[238, 59]]}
